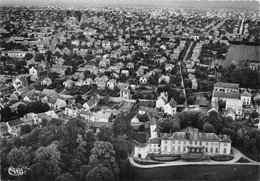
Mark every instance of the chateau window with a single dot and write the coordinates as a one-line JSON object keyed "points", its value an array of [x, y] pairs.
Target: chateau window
{"points": [[165, 148], [216, 150], [225, 150], [173, 148], [207, 143], [195, 142], [200, 142], [211, 150], [225, 144], [179, 141], [184, 142], [184, 148], [206, 150], [173, 142], [179, 148]]}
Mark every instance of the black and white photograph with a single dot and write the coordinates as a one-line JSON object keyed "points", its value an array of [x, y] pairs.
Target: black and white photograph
{"points": [[130, 90]]}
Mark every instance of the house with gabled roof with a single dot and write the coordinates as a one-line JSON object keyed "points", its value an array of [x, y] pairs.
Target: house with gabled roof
{"points": [[14, 126], [162, 100], [73, 110], [91, 102], [171, 107]]}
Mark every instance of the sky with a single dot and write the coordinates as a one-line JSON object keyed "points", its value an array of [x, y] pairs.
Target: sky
{"points": [[242, 4]]}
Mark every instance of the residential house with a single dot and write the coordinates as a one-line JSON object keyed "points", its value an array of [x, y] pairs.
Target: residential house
{"points": [[111, 84], [164, 78], [125, 72], [171, 107], [4, 130], [20, 82], [59, 104], [169, 67], [91, 102], [46, 81], [147, 110], [125, 93], [230, 113], [14, 126], [101, 82], [130, 65], [246, 98], [68, 83], [73, 110], [236, 105], [162, 100]]}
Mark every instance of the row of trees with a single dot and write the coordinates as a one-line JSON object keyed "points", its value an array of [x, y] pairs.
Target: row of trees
{"points": [[22, 109]]}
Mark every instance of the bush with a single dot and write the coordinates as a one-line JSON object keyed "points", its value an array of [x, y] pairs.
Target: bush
{"points": [[222, 158], [166, 158]]}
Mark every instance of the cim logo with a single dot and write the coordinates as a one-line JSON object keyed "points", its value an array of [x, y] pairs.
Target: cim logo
{"points": [[17, 171]]}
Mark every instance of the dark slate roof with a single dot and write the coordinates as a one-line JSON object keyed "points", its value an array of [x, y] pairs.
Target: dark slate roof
{"points": [[234, 95], [93, 100], [227, 85], [15, 122], [155, 141]]}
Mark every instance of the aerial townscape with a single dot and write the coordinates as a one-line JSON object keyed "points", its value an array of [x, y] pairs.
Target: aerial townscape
{"points": [[129, 92]]}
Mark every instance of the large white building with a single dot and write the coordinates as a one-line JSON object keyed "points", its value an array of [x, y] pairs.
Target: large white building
{"points": [[191, 141]]}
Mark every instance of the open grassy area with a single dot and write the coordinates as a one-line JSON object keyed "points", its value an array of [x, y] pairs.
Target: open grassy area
{"points": [[237, 53], [198, 172]]}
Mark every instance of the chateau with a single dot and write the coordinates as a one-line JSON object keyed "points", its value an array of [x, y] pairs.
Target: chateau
{"points": [[191, 141]]}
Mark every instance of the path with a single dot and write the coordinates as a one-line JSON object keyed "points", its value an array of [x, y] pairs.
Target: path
{"points": [[241, 27], [182, 81], [237, 155]]}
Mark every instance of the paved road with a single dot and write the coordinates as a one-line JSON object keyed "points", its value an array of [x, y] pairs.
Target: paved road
{"points": [[182, 81], [237, 155]]}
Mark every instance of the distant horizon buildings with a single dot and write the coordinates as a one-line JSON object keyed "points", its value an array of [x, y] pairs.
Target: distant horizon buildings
{"points": [[238, 4]]}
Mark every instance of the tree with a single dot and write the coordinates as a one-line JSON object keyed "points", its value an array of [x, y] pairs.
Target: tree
{"points": [[39, 57], [19, 157], [166, 126], [6, 113], [121, 125], [102, 162], [208, 128], [21, 109], [105, 134], [28, 56], [65, 177], [68, 71], [46, 163], [191, 100], [254, 115], [143, 117], [25, 129]]}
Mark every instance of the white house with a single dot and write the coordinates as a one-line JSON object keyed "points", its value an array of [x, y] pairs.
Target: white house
{"points": [[59, 104], [162, 100], [33, 71], [246, 98], [125, 93], [171, 107], [68, 83], [111, 84], [236, 105], [73, 110], [47, 81]]}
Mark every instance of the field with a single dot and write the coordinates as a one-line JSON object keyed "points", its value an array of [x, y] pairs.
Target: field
{"points": [[237, 53], [198, 172]]}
